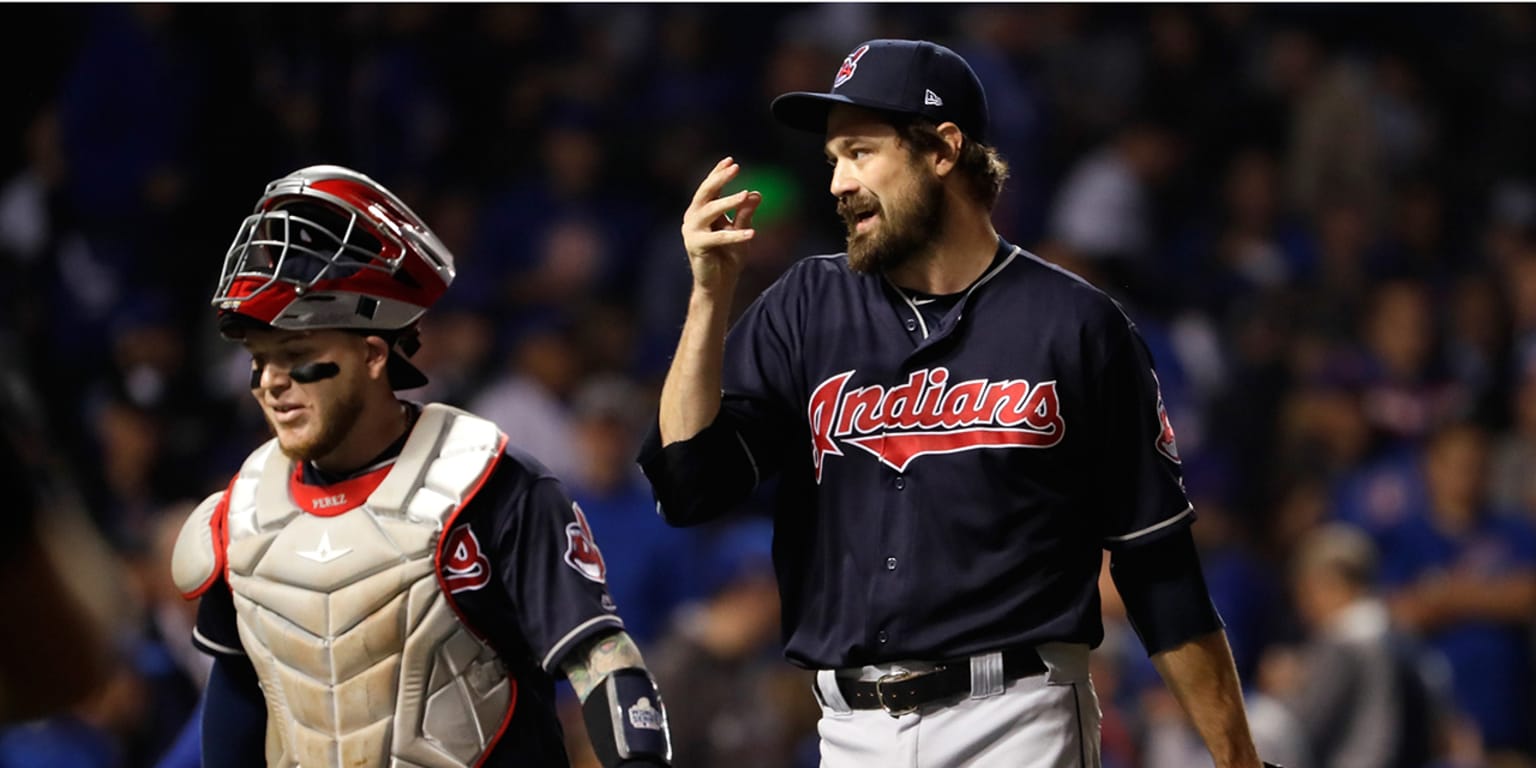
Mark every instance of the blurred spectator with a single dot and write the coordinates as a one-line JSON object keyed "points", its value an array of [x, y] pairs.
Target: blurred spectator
{"points": [[724, 654], [527, 400], [1103, 213], [1466, 579], [90, 735], [1362, 690], [651, 566], [1512, 470], [1519, 275], [1477, 346], [65, 599], [171, 670], [1334, 141], [1252, 244]]}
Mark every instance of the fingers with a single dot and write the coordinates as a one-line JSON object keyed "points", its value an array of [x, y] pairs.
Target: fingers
{"points": [[714, 212], [708, 224], [746, 210], [724, 171], [720, 237]]}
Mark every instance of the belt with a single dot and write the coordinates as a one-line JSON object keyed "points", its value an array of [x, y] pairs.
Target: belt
{"points": [[904, 692]]}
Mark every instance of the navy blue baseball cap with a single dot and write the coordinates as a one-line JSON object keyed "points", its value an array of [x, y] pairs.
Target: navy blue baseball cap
{"points": [[908, 77]]}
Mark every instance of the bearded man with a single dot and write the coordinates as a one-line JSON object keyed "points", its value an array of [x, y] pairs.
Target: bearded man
{"points": [[958, 430]]}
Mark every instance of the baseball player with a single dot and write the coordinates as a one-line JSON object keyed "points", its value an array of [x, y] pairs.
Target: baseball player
{"points": [[385, 583], [958, 430]]}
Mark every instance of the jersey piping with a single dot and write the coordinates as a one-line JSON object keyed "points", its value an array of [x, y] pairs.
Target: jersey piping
{"points": [[1189, 510], [991, 273], [559, 650], [203, 640]]}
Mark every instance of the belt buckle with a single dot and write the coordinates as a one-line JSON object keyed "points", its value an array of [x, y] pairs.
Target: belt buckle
{"points": [[894, 677]]}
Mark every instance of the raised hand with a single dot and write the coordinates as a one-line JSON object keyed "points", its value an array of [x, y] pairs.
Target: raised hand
{"points": [[715, 240]]}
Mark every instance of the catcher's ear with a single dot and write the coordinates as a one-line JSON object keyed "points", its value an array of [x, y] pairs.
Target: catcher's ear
{"points": [[376, 357]]}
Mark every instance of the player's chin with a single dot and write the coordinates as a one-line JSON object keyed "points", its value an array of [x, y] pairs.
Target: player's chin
{"points": [[297, 440], [863, 256]]}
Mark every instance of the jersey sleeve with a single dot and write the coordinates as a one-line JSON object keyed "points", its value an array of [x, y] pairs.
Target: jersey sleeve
{"points": [[699, 479], [549, 562], [1141, 496], [759, 361], [215, 631]]}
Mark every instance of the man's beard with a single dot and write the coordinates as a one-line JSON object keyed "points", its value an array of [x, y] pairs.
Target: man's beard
{"points": [[905, 231], [341, 417]]}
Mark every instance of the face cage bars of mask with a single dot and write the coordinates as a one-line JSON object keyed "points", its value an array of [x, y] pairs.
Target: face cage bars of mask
{"points": [[335, 266]]}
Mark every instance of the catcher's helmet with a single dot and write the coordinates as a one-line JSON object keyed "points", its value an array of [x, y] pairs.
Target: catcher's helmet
{"points": [[328, 247]]}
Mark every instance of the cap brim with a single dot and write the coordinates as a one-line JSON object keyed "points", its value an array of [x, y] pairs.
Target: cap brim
{"points": [[805, 110], [403, 375]]}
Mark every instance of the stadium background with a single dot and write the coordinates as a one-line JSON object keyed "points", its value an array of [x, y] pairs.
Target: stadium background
{"points": [[1323, 218]]}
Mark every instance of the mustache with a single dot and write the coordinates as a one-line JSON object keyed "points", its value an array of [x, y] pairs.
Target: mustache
{"points": [[850, 206]]}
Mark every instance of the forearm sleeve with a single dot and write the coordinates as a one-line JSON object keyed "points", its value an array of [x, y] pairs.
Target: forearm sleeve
{"points": [[1164, 591]]}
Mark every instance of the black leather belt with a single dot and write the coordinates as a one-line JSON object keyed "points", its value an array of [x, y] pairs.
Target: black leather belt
{"points": [[904, 692]]}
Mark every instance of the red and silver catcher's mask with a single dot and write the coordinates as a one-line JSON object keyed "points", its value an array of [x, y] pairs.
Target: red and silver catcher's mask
{"points": [[328, 247]]}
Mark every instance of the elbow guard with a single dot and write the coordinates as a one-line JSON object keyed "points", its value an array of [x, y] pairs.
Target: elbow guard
{"points": [[626, 720]]}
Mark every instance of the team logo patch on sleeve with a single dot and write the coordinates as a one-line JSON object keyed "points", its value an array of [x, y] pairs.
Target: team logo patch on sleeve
{"points": [[465, 565], [581, 550], [1165, 442]]}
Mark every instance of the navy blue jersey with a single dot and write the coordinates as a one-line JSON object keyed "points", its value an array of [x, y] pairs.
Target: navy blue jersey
{"points": [[524, 570], [945, 488]]}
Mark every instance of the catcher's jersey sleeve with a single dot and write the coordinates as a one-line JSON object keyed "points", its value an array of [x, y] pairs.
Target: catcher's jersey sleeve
{"points": [[216, 632], [1142, 497], [547, 559]]}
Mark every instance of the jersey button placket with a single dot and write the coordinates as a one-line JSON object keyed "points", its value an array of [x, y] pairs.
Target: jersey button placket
{"points": [[911, 324], [882, 637], [890, 563], [901, 483]]}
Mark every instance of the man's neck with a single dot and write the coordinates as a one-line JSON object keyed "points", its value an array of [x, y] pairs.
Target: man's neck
{"points": [[381, 423], [963, 253]]}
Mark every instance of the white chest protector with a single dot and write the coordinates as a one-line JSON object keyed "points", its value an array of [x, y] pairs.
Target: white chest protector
{"points": [[362, 659]]}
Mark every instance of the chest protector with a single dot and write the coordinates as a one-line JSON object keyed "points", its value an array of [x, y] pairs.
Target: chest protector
{"points": [[361, 655]]}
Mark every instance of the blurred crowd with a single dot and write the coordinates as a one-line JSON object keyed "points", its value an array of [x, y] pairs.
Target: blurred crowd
{"points": [[1322, 218]]}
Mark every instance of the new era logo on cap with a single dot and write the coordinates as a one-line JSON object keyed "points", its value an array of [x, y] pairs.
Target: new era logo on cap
{"points": [[903, 77]]}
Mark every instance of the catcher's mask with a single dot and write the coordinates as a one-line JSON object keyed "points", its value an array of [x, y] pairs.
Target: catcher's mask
{"points": [[328, 247]]}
